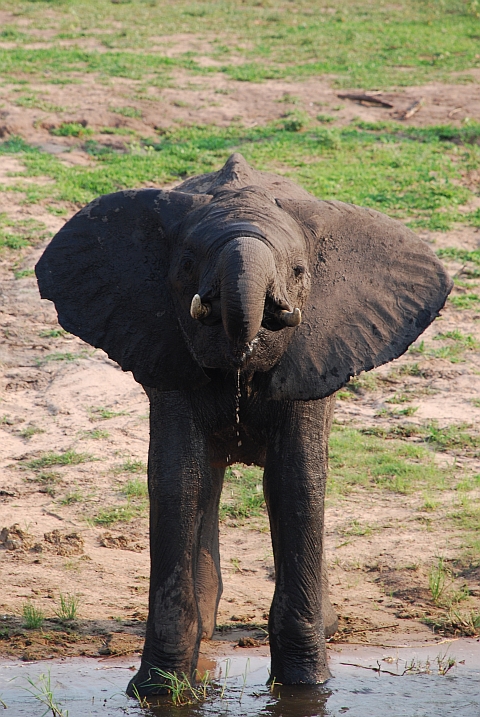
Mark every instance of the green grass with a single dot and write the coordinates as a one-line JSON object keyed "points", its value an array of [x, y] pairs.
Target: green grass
{"points": [[465, 301], [131, 466], [101, 413], [135, 488], [127, 111], [462, 255], [96, 434], [71, 129], [242, 495], [53, 333], [61, 356], [68, 458], [18, 234], [68, 607], [453, 351], [406, 175], [359, 43], [33, 617], [32, 100], [73, 497], [118, 514], [23, 273], [30, 431], [357, 459]]}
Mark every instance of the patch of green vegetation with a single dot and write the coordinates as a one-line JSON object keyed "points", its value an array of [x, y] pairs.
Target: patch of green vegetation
{"points": [[464, 301], [118, 514], [96, 434], [73, 497], [358, 43], [355, 528], [453, 351], [30, 431], [131, 466], [32, 100], [456, 622], [23, 273], [400, 398], [47, 477], [101, 413], [438, 579], [363, 383], [71, 129], [135, 488], [462, 255], [127, 111], [242, 495], [452, 437], [53, 333], [17, 234], [325, 119], [126, 131], [59, 356], [359, 459], [68, 458], [379, 168], [33, 617], [68, 607]]}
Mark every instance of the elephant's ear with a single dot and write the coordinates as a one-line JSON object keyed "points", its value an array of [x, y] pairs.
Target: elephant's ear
{"points": [[106, 271], [375, 287]]}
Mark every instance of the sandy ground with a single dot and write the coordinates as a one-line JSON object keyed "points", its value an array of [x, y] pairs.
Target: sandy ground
{"points": [[379, 581]]}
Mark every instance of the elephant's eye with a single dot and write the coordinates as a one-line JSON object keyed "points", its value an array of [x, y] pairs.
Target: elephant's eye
{"points": [[187, 265], [298, 270]]}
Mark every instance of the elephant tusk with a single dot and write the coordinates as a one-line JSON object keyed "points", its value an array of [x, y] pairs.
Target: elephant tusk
{"points": [[199, 310], [290, 318]]}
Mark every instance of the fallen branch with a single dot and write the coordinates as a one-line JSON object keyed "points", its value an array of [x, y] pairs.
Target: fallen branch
{"points": [[411, 110], [363, 98], [454, 112], [378, 669]]}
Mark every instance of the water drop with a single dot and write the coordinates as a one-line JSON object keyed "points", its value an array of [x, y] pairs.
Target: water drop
{"points": [[237, 408]]}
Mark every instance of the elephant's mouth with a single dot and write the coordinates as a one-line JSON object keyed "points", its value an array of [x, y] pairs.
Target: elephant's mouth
{"points": [[276, 313]]}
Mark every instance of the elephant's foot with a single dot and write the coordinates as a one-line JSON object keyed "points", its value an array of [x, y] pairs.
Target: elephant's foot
{"points": [[153, 681], [299, 668], [299, 656]]}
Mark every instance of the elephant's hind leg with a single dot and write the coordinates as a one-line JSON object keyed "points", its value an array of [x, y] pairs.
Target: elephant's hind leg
{"points": [[208, 581]]}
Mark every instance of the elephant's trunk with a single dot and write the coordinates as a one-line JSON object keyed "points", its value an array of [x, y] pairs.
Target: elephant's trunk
{"points": [[246, 270]]}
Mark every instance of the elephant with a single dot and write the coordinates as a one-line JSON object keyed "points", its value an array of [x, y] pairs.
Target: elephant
{"points": [[241, 303]]}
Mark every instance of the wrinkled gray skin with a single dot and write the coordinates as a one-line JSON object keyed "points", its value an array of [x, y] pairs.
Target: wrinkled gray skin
{"points": [[255, 248]]}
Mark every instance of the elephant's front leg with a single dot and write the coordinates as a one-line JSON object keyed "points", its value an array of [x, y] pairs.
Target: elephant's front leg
{"points": [[295, 476], [181, 491]]}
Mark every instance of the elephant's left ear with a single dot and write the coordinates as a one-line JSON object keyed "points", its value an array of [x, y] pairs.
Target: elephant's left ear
{"points": [[106, 271], [375, 287]]}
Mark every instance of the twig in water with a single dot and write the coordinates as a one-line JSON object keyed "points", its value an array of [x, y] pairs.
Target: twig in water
{"points": [[378, 669]]}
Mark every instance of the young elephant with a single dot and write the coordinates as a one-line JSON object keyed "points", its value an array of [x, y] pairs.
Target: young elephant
{"points": [[241, 303]]}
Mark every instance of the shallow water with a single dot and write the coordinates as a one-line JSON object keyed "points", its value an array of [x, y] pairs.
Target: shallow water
{"points": [[85, 687]]}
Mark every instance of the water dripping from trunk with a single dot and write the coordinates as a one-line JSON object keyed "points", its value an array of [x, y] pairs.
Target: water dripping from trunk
{"points": [[237, 408]]}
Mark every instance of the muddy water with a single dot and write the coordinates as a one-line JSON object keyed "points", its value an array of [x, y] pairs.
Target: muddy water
{"points": [[87, 687]]}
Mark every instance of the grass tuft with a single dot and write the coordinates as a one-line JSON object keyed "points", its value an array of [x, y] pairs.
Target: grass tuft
{"points": [[68, 607], [33, 617]]}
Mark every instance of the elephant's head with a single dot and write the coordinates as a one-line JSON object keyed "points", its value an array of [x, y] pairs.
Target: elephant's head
{"points": [[241, 269]]}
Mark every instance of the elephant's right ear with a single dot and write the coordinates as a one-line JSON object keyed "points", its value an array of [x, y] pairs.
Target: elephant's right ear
{"points": [[106, 271]]}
